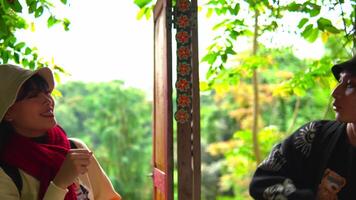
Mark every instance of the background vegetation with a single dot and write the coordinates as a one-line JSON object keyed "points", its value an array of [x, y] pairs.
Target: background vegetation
{"points": [[116, 123], [257, 91], [252, 97]]}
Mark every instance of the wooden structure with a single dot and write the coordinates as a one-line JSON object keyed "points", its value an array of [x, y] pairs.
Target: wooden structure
{"points": [[187, 113]]}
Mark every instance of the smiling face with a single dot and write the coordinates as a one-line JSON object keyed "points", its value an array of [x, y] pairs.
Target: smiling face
{"points": [[345, 98], [32, 113]]}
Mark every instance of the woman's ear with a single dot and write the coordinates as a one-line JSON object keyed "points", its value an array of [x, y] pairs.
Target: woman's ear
{"points": [[9, 115]]}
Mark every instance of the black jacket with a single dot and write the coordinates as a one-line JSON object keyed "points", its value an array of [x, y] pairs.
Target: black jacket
{"points": [[294, 168]]}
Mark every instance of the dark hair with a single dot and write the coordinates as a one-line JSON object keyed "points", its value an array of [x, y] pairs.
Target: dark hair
{"points": [[31, 87]]}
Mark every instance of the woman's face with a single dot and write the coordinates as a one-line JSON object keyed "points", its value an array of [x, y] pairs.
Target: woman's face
{"points": [[345, 98], [32, 116]]}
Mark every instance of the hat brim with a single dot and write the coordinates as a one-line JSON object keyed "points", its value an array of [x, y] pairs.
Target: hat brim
{"points": [[47, 74], [347, 66]]}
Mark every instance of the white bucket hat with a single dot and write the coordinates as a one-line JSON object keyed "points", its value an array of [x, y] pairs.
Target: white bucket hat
{"points": [[12, 77]]}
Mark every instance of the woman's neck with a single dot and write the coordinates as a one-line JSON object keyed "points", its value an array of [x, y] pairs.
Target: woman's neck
{"points": [[351, 133], [29, 133]]}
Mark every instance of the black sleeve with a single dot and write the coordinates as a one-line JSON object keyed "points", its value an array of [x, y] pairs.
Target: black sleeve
{"points": [[282, 174]]}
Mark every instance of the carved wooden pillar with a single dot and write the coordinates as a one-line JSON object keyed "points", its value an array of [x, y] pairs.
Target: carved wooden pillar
{"points": [[187, 113], [188, 101]]}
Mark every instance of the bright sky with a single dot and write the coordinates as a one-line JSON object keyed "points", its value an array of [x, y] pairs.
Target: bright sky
{"points": [[106, 42]]}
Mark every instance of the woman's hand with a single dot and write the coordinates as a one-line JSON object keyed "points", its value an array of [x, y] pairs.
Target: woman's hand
{"points": [[75, 163]]}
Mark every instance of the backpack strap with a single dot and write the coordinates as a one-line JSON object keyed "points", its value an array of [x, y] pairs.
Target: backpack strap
{"points": [[72, 144], [14, 173]]}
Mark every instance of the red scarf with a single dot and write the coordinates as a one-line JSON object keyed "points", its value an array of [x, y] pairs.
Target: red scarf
{"points": [[41, 161]]}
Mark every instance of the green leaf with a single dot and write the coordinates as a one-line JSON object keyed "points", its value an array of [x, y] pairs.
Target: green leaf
{"points": [[210, 47], [57, 77], [64, 1], [210, 58], [217, 11], [221, 67], [52, 21], [32, 64], [323, 23], [10, 41], [332, 29], [148, 13], [315, 11], [66, 24], [16, 6], [32, 7], [230, 50], [5, 56], [39, 12], [210, 72], [4, 30], [19, 46], [238, 22], [28, 51], [302, 22], [293, 7], [348, 21], [21, 23], [141, 13], [274, 25], [35, 56], [17, 58], [235, 10], [233, 34], [307, 31], [224, 57], [4, 5], [212, 2], [24, 62], [224, 10], [313, 35], [209, 13], [221, 24], [56, 67], [142, 3]]}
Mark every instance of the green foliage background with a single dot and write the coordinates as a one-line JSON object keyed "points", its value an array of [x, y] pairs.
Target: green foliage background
{"points": [[115, 122], [291, 91]]}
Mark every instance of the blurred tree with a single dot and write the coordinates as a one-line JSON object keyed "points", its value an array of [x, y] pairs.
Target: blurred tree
{"points": [[272, 94], [252, 20], [231, 157], [314, 21], [116, 122]]}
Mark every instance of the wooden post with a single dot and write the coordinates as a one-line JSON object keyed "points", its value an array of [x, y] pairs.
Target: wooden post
{"points": [[162, 172], [196, 105], [188, 106]]}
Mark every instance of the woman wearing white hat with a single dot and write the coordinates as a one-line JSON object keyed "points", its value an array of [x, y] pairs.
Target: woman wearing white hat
{"points": [[36, 158], [318, 160]]}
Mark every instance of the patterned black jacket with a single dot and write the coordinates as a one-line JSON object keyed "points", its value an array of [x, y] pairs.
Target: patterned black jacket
{"points": [[294, 168]]}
